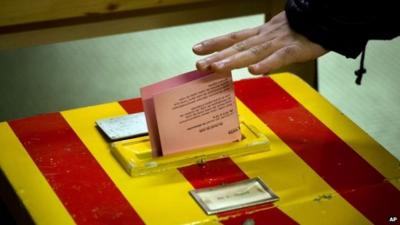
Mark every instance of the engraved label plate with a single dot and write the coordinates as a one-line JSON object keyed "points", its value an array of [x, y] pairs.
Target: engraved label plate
{"points": [[122, 127], [233, 196]]}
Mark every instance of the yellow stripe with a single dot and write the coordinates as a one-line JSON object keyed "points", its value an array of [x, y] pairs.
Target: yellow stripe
{"points": [[356, 138], [29, 183], [300, 189], [156, 198]]}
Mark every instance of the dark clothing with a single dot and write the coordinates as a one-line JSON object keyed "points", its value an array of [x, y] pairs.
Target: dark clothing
{"points": [[344, 26]]}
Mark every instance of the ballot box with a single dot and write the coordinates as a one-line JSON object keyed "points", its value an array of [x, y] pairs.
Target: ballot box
{"points": [[320, 167]]}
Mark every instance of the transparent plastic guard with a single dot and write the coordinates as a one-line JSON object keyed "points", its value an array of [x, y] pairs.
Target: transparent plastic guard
{"points": [[136, 158]]}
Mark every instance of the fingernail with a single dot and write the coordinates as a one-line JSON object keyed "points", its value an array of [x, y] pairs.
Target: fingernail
{"points": [[197, 47], [201, 64], [253, 69]]}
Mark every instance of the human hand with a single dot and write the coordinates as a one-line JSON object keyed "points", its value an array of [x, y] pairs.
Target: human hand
{"points": [[261, 49]]}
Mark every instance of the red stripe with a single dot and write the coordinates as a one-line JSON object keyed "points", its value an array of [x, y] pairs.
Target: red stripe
{"points": [[82, 185], [132, 105], [223, 171], [218, 172], [341, 167]]}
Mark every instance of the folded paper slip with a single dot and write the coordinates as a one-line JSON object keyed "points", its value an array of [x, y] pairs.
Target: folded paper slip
{"points": [[190, 111]]}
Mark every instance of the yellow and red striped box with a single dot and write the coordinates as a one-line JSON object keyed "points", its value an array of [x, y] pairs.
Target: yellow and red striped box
{"points": [[324, 168]]}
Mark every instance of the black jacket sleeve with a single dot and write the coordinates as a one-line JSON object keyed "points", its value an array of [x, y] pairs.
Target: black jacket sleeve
{"points": [[344, 26]]}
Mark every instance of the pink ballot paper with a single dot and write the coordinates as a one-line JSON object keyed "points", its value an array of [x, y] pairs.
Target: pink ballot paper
{"points": [[190, 111]]}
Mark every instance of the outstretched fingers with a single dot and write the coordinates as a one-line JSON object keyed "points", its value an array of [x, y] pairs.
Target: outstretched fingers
{"points": [[236, 49], [242, 59], [261, 49], [224, 41]]}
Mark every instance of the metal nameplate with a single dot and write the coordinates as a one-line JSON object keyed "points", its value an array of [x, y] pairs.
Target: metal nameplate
{"points": [[123, 127], [233, 196]]}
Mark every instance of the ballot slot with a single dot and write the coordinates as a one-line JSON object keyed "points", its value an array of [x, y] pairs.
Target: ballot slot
{"points": [[135, 154]]}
